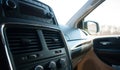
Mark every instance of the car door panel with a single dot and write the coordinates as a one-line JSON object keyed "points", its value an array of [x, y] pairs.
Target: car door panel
{"points": [[108, 49]]}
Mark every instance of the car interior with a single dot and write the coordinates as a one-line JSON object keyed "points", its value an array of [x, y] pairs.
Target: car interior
{"points": [[32, 39]]}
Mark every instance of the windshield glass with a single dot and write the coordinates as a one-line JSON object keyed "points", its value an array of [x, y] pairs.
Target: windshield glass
{"points": [[107, 14], [64, 9]]}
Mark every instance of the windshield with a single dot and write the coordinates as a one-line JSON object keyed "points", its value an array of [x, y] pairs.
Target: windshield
{"points": [[107, 14], [64, 9]]}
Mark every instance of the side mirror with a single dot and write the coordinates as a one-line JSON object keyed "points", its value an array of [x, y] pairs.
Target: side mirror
{"points": [[91, 27]]}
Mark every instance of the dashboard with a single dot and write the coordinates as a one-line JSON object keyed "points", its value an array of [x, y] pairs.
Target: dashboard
{"points": [[31, 39]]}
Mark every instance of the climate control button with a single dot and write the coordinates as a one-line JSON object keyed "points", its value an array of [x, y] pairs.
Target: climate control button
{"points": [[39, 67], [11, 4], [52, 65], [62, 63]]}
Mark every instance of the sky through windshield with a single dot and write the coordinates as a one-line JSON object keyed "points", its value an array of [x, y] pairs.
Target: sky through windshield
{"points": [[64, 9], [108, 13]]}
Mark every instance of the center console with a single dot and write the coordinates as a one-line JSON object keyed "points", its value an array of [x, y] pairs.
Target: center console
{"points": [[31, 38]]}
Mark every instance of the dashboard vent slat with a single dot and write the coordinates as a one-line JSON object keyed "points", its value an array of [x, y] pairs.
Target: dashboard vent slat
{"points": [[23, 40], [53, 39]]}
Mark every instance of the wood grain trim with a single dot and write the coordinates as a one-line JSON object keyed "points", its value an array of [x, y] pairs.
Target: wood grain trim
{"points": [[92, 62]]}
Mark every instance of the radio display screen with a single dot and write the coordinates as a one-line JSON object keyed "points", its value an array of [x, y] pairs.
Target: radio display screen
{"points": [[38, 13]]}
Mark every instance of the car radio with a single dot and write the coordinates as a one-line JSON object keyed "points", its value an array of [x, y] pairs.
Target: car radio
{"points": [[29, 9]]}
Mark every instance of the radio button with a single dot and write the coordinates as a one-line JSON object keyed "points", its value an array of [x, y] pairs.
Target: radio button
{"points": [[33, 56]]}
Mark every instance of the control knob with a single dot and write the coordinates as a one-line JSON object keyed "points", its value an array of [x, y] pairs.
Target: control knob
{"points": [[49, 15], [11, 4], [62, 63], [52, 65], [39, 67]]}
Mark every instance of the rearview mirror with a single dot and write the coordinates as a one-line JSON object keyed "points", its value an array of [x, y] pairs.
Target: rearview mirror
{"points": [[91, 27]]}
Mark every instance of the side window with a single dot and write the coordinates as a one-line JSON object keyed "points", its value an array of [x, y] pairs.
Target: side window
{"points": [[107, 15]]}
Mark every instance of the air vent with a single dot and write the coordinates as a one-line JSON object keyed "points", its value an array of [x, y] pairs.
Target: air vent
{"points": [[53, 39], [23, 40]]}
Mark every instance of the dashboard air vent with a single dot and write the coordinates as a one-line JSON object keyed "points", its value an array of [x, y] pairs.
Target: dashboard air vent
{"points": [[53, 39], [23, 40]]}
